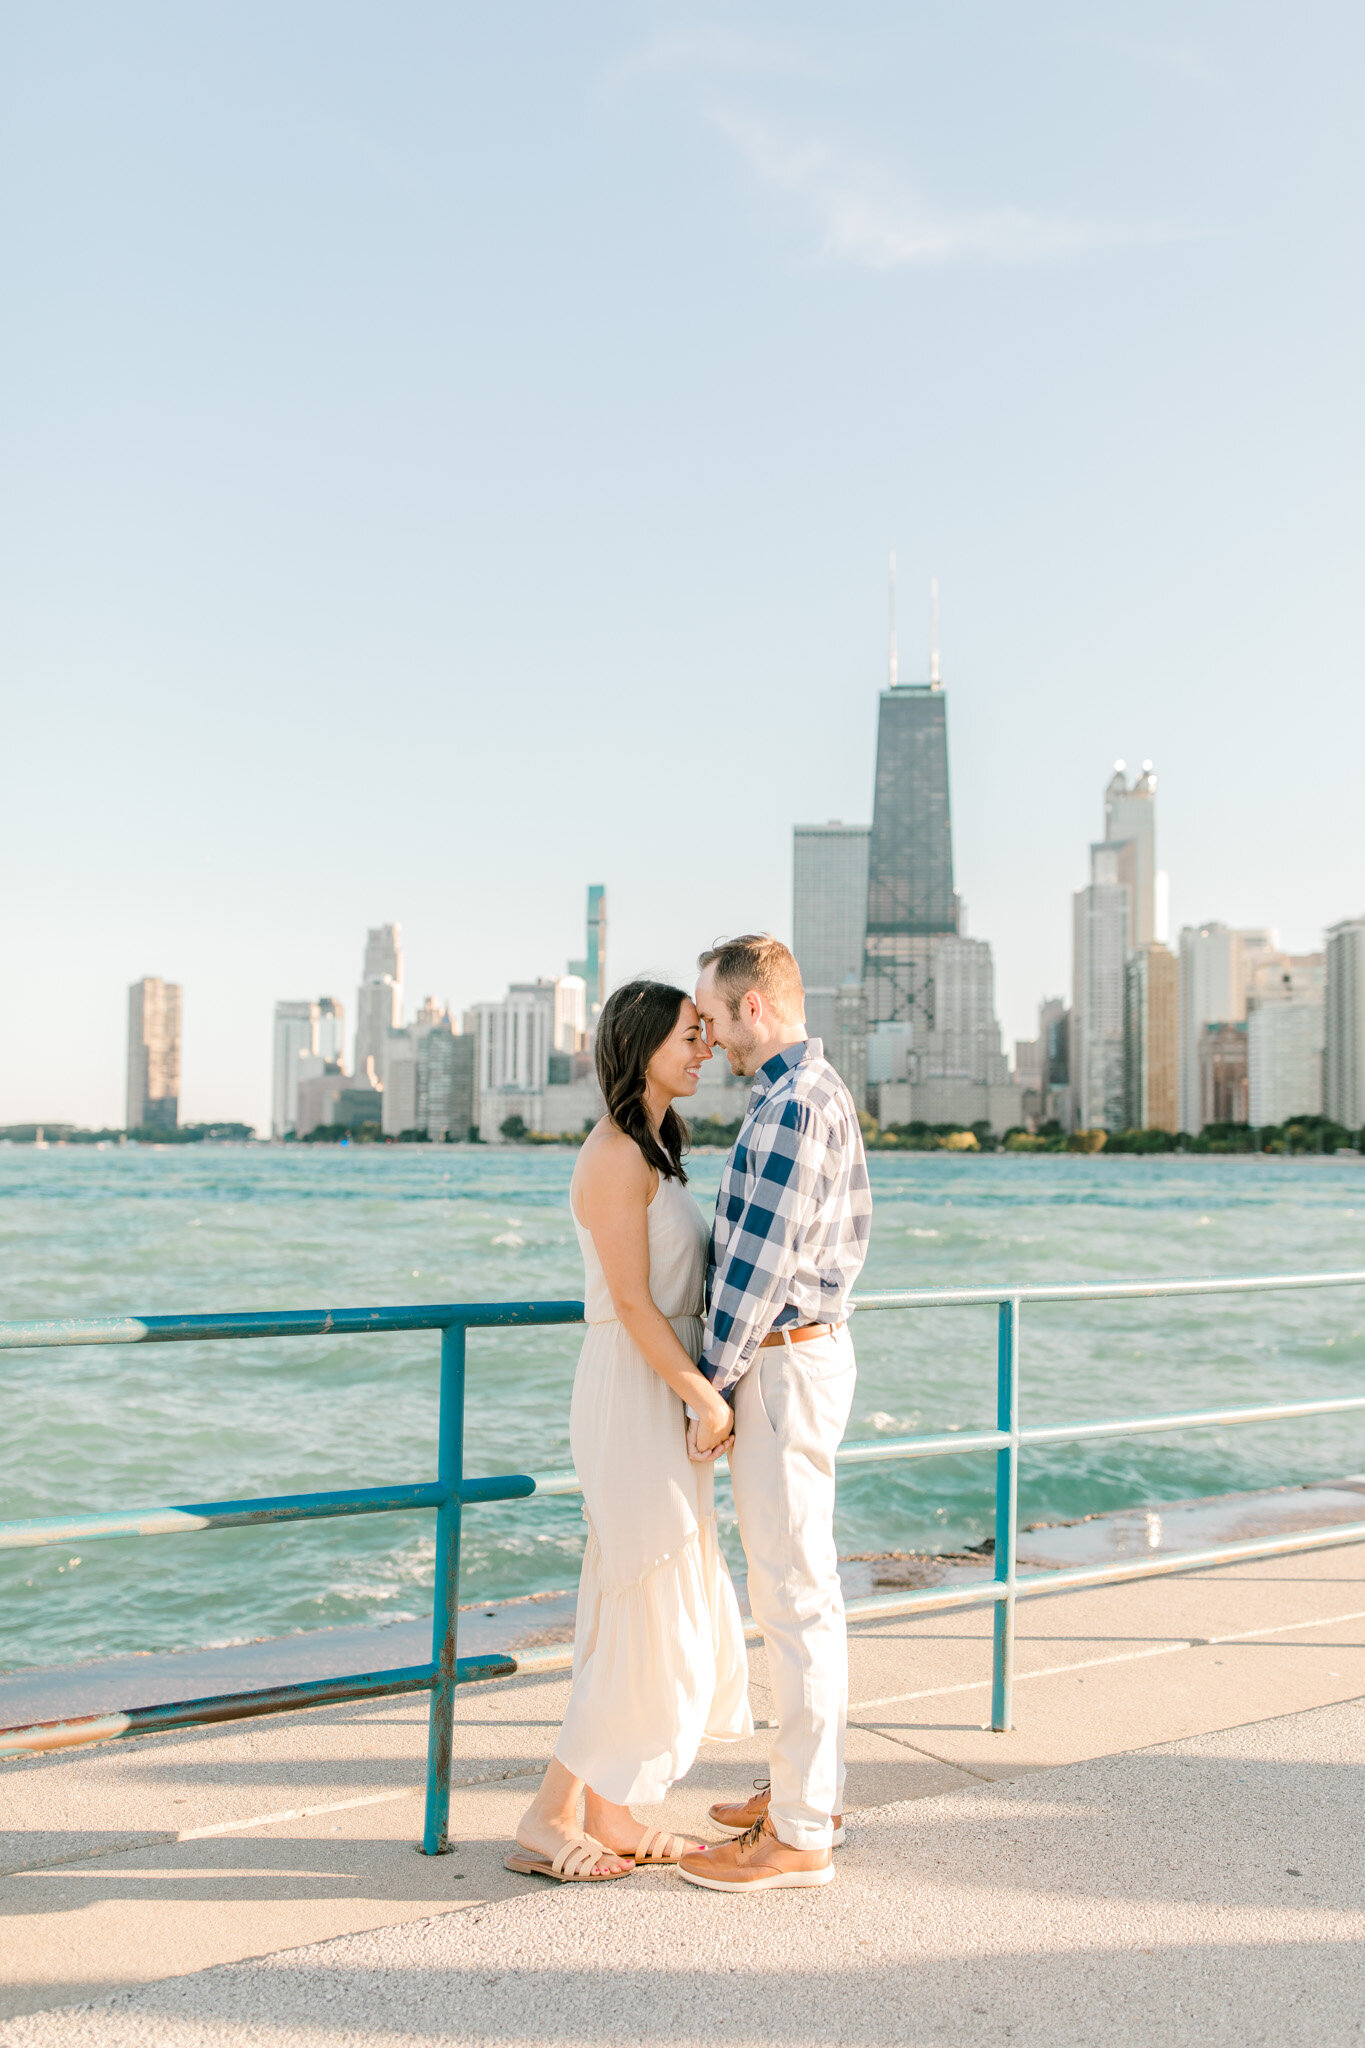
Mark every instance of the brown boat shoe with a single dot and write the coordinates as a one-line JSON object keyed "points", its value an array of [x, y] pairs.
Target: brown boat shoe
{"points": [[738, 1816], [756, 1861]]}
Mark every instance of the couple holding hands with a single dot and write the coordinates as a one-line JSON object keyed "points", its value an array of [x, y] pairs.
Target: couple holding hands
{"points": [[734, 1340]]}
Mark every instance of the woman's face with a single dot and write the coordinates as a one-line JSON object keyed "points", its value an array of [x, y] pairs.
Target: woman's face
{"points": [[676, 1065]]}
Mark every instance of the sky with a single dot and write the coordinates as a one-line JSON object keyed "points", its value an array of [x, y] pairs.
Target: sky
{"points": [[450, 456]]}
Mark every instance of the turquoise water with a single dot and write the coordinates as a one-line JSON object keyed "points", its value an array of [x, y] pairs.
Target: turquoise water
{"points": [[219, 1228]]}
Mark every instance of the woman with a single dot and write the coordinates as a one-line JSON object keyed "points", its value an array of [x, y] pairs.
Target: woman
{"points": [[659, 1649]]}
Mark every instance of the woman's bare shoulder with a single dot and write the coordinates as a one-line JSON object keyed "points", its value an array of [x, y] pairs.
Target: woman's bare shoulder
{"points": [[609, 1159]]}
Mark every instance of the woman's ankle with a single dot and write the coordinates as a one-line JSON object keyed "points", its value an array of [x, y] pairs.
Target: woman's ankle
{"points": [[603, 1812], [545, 1814]]}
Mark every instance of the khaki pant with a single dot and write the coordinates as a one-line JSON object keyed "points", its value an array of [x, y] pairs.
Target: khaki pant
{"points": [[791, 1410]]}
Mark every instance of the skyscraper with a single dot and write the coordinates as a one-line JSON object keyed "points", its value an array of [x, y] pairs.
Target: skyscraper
{"points": [[591, 970], [1150, 1036], [829, 915], [1102, 916], [384, 953], [1284, 996], [445, 1084], [402, 1056], [1344, 1061], [153, 1096], [1130, 819], [1223, 1074], [1284, 1061], [1210, 993], [1054, 1038], [1271, 978], [379, 999], [516, 1037], [910, 896], [331, 1043], [295, 1038], [571, 1014], [848, 1049], [1113, 917], [918, 969]]}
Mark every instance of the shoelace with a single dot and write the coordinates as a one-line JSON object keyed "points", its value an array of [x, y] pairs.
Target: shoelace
{"points": [[751, 1835]]}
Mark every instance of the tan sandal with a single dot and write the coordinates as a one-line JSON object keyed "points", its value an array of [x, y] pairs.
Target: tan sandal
{"points": [[573, 1864], [654, 1846]]}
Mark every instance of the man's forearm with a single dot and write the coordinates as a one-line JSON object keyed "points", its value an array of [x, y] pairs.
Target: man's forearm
{"points": [[734, 1340]]}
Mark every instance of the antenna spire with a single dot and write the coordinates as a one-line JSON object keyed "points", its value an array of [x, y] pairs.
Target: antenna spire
{"points": [[935, 680], [893, 664]]}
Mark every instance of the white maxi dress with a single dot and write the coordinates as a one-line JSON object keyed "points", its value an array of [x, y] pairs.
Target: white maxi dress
{"points": [[659, 1657]]}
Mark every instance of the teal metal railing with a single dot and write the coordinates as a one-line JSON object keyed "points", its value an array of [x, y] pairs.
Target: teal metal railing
{"points": [[451, 1492]]}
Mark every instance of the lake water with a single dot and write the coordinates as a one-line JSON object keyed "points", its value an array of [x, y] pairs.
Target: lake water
{"points": [[203, 1228]]}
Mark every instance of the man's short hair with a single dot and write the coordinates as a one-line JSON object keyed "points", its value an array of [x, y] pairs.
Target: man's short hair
{"points": [[757, 960]]}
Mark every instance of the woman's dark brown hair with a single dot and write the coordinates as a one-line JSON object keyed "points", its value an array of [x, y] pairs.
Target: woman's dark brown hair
{"points": [[634, 1023]]}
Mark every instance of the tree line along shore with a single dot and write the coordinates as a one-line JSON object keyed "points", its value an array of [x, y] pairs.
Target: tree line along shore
{"points": [[1303, 1136]]}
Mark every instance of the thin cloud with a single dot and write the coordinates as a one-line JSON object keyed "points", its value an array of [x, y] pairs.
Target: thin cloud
{"points": [[1183, 60], [712, 52], [864, 215]]}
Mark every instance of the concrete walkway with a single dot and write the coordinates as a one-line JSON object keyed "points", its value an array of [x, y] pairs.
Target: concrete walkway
{"points": [[1168, 1848]]}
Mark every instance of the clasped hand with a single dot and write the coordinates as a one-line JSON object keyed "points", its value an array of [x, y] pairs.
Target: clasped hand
{"points": [[708, 1438]]}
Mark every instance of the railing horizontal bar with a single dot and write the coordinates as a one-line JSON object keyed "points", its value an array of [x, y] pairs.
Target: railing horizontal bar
{"points": [[1029, 1585], [871, 1453], [868, 1607], [927, 1599], [191, 1517], [565, 1480], [500, 1314], [1120, 1290], [1189, 1560], [955, 1442], [510, 1486], [321, 1322], [946, 1446], [985, 1592], [218, 1514], [195, 1516], [1203, 1418], [241, 1706]]}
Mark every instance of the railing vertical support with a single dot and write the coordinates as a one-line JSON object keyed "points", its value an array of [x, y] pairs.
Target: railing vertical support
{"points": [[1006, 1515], [446, 1612]]}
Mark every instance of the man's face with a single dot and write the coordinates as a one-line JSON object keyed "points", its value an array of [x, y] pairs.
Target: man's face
{"points": [[735, 1036]]}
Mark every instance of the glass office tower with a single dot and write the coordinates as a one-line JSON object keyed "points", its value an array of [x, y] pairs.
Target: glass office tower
{"points": [[829, 916], [910, 897], [592, 968]]}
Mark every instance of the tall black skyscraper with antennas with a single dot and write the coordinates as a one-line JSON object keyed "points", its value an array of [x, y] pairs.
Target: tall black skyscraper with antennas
{"points": [[904, 1001], [910, 896]]}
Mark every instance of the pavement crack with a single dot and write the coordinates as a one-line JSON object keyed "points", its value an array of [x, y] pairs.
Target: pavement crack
{"points": [[88, 1855], [158, 1838]]}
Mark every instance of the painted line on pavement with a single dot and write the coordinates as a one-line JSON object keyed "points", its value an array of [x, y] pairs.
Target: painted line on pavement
{"points": [[1126, 1657], [935, 1692], [266, 1820]]}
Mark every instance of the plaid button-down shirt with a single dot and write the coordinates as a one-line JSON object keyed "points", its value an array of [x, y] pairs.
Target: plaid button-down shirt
{"points": [[793, 1213]]}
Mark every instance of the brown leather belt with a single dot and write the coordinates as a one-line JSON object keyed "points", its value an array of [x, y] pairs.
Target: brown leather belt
{"points": [[801, 1334]]}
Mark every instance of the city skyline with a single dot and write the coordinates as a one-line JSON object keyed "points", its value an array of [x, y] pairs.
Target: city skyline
{"points": [[1135, 906], [1228, 1028]]}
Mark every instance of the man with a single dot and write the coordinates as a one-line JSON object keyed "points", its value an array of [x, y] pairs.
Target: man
{"points": [[789, 1240]]}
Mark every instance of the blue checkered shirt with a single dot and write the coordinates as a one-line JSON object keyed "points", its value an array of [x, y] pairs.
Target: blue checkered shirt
{"points": [[793, 1213]]}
